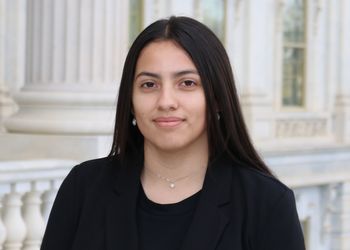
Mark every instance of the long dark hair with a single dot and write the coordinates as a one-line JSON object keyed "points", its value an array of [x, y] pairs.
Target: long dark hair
{"points": [[227, 135]]}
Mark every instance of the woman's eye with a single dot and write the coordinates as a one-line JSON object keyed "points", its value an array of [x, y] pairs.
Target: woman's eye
{"points": [[188, 83], [148, 85]]}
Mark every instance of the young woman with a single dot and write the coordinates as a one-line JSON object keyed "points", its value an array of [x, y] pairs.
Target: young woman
{"points": [[182, 172]]}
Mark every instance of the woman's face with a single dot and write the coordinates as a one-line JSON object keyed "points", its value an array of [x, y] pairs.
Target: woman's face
{"points": [[168, 98]]}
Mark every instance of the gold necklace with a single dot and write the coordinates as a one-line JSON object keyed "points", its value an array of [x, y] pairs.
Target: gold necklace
{"points": [[171, 182]]}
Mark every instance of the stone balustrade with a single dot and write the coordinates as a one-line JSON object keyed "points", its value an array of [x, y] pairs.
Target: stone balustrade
{"points": [[28, 189], [27, 192]]}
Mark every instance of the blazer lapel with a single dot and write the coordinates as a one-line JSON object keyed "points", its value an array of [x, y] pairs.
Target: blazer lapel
{"points": [[209, 220], [211, 217], [121, 225]]}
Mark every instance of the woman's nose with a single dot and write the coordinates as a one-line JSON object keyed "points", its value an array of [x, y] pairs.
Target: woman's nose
{"points": [[167, 99]]}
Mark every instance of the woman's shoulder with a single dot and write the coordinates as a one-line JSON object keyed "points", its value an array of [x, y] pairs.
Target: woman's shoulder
{"points": [[97, 165], [258, 178], [270, 209], [260, 187], [102, 173], [92, 172], [104, 165]]}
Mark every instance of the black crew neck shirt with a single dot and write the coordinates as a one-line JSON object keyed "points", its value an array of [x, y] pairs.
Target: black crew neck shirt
{"points": [[164, 226]]}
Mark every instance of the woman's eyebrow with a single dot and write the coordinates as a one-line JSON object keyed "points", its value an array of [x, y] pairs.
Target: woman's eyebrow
{"points": [[174, 75], [145, 73], [184, 72]]}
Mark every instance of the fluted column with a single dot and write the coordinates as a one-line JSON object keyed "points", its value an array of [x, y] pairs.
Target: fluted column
{"points": [[75, 53], [255, 65], [342, 102]]}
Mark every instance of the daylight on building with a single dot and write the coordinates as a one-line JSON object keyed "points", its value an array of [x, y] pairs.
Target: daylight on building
{"points": [[60, 68]]}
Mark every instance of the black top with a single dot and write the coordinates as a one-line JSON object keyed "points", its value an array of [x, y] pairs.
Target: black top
{"points": [[163, 226]]}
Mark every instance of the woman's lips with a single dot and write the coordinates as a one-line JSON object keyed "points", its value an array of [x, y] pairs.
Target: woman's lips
{"points": [[168, 122]]}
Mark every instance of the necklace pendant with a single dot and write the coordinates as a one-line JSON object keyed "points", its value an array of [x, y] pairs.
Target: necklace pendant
{"points": [[172, 185]]}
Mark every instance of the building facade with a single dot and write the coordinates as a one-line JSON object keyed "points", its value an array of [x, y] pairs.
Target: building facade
{"points": [[60, 67]]}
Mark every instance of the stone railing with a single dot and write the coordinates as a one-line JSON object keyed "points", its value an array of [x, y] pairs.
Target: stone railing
{"points": [[320, 180], [27, 191]]}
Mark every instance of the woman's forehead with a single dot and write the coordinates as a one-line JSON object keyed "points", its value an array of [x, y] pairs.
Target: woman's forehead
{"points": [[164, 55]]}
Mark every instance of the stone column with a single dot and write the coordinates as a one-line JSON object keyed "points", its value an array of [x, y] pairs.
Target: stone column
{"points": [[12, 30], [342, 102], [316, 52], [255, 66], [75, 50], [341, 230]]}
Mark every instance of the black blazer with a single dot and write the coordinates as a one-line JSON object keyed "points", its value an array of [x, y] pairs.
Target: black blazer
{"points": [[239, 208]]}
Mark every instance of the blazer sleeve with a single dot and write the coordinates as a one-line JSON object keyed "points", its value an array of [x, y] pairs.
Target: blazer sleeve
{"points": [[282, 227], [63, 219]]}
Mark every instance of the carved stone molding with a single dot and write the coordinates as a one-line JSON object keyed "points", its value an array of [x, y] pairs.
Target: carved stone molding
{"points": [[301, 128]]}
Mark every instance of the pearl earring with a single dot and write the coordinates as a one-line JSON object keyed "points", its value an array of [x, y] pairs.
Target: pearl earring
{"points": [[218, 116], [133, 122]]}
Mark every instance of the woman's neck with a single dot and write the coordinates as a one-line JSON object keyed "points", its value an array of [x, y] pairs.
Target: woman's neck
{"points": [[170, 177]]}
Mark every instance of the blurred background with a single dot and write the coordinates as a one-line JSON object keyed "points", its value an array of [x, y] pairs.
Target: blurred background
{"points": [[60, 67]]}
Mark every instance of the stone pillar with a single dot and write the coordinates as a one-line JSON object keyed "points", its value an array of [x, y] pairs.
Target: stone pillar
{"points": [[255, 70], [316, 51], [12, 30], [342, 102], [341, 230], [75, 50]]}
